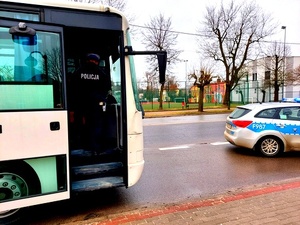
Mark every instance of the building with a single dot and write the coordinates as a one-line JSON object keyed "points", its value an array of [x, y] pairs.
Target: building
{"points": [[258, 85]]}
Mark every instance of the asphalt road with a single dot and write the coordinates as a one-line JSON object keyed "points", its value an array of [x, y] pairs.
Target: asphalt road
{"points": [[186, 158]]}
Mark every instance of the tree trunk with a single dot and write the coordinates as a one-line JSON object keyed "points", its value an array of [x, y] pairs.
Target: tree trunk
{"points": [[242, 97], [276, 92], [161, 96], [264, 95], [201, 96], [227, 97]]}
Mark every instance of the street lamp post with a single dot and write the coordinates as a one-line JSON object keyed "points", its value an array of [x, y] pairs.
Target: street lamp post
{"points": [[186, 81], [284, 59]]}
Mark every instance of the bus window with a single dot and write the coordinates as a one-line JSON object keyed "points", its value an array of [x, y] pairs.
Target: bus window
{"points": [[133, 78], [19, 15], [28, 76], [116, 80]]}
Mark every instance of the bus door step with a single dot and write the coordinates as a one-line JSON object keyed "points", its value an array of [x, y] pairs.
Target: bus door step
{"points": [[100, 169], [87, 153], [97, 184]]}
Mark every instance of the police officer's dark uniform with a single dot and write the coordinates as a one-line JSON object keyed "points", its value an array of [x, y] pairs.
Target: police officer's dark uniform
{"points": [[91, 88]]}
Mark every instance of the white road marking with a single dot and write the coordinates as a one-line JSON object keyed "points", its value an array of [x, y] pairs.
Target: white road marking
{"points": [[189, 146], [175, 147], [220, 143]]}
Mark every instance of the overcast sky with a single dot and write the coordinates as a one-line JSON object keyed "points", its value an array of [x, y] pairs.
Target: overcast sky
{"points": [[187, 14]]}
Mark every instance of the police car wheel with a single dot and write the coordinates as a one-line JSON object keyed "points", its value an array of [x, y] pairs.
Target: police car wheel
{"points": [[270, 146]]}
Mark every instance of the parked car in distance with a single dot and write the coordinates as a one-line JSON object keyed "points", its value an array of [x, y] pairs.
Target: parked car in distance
{"points": [[270, 128]]}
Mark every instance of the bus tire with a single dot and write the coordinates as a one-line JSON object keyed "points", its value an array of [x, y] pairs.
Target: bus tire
{"points": [[17, 180]]}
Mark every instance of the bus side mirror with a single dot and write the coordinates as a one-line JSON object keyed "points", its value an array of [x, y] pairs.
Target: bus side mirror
{"points": [[22, 29], [162, 66], [161, 56], [22, 34]]}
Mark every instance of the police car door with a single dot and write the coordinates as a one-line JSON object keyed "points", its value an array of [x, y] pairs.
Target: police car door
{"points": [[288, 124]]}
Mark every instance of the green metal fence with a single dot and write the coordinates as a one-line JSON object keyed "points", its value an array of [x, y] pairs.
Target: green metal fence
{"points": [[184, 95]]}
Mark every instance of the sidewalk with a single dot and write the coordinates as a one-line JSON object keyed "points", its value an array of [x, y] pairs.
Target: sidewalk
{"points": [[186, 112], [273, 203]]}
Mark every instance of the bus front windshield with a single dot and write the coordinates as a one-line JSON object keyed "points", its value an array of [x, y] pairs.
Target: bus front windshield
{"points": [[30, 71]]}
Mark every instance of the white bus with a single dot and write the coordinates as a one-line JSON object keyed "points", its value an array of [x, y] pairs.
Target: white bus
{"points": [[42, 155]]}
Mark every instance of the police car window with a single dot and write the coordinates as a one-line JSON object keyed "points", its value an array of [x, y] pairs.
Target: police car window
{"points": [[266, 113], [239, 112], [290, 113]]}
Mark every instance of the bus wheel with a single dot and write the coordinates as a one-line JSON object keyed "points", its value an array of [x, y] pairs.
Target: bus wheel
{"points": [[17, 180]]}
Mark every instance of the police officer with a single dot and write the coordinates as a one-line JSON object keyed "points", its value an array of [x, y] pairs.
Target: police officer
{"points": [[91, 88]]}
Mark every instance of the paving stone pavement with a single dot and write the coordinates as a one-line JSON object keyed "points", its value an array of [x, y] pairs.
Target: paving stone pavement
{"points": [[271, 203]]}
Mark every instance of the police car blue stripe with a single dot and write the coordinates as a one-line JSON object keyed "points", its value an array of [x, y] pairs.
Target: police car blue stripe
{"points": [[287, 129]]}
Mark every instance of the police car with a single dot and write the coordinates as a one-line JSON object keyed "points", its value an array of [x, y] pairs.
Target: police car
{"points": [[270, 128]]}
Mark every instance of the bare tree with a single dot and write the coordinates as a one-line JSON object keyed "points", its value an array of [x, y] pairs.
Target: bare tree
{"points": [[230, 34], [157, 37], [275, 67], [54, 68], [172, 88], [149, 79], [293, 78], [201, 80], [6, 73], [297, 72], [86, 1], [118, 4]]}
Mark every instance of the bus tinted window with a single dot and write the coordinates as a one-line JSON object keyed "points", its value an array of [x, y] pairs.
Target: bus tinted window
{"points": [[133, 77], [19, 15], [116, 80], [30, 71]]}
